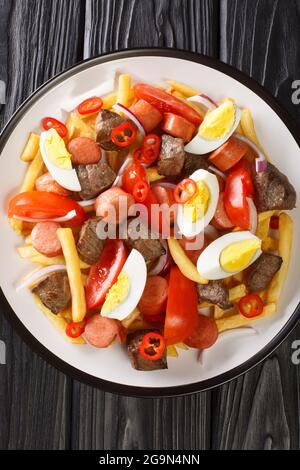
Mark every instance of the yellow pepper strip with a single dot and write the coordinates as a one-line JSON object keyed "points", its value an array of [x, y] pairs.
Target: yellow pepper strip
{"points": [[185, 265], [67, 241]]}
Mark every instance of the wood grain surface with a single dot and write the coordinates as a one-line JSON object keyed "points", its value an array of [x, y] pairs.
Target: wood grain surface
{"points": [[40, 407]]}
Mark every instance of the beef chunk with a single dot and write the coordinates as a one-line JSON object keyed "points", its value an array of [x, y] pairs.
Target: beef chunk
{"points": [[134, 341], [89, 246], [273, 191], [54, 292], [105, 123], [94, 179], [172, 156], [216, 293], [193, 163], [139, 237], [262, 271]]}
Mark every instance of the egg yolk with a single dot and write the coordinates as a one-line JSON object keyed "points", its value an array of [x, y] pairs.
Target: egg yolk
{"points": [[56, 151], [197, 206], [219, 122], [116, 294], [237, 256]]}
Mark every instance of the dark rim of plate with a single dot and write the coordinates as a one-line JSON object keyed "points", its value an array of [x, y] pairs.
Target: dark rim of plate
{"points": [[90, 379]]}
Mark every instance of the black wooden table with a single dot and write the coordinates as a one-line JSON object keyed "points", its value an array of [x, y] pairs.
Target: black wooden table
{"points": [[40, 407]]}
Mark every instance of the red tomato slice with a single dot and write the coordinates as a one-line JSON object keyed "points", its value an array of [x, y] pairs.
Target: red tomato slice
{"points": [[166, 103], [204, 335], [52, 123], [182, 311], [90, 106], [238, 187], [44, 205], [105, 273]]}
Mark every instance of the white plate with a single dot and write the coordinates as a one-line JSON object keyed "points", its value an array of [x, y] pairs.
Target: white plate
{"points": [[110, 368]]}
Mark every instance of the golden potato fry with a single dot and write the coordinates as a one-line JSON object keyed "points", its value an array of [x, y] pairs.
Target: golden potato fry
{"points": [[31, 148], [182, 346], [131, 318], [124, 89], [183, 89], [171, 351], [238, 320], [185, 265], [67, 241], [284, 250], [153, 175], [237, 292], [247, 125], [269, 244]]}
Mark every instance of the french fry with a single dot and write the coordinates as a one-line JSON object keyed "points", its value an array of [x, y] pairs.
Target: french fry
{"points": [[238, 277], [131, 318], [33, 171], [67, 314], [182, 346], [178, 95], [67, 241], [31, 254], [185, 90], [267, 215], [269, 244], [237, 292], [77, 127], [171, 351], [247, 125], [153, 175], [205, 304], [218, 312], [284, 250], [109, 100], [185, 265], [263, 227], [31, 148], [238, 320], [28, 240], [139, 324], [124, 89], [58, 321]]}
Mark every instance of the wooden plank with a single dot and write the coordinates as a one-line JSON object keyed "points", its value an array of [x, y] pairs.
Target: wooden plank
{"points": [[101, 420], [43, 38], [261, 409]]}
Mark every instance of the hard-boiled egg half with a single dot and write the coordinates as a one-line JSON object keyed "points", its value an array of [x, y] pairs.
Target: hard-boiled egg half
{"points": [[217, 126], [195, 214], [229, 255], [123, 297], [58, 160]]}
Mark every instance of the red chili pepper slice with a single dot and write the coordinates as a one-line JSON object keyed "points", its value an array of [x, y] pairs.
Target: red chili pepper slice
{"points": [[251, 305], [52, 123], [274, 222], [140, 191], [151, 148], [185, 190], [124, 134], [74, 330], [90, 106], [152, 346]]}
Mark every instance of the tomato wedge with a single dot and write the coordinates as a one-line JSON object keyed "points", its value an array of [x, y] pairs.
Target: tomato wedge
{"points": [[204, 335], [104, 273], [44, 205], [238, 187], [52, 123], [90, 106], [182, 311], [166, 103]]}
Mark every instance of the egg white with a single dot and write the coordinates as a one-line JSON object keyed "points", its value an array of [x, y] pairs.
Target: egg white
{"points": [[208, 263], [199, 146], [66, 178], [136, 270], [186, 226]]}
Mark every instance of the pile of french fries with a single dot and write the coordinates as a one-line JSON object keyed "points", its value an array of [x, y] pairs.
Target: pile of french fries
{"points": [[79, 125]]}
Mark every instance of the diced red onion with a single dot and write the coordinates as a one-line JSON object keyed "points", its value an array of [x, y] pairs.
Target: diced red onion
{"points": [[164, 184], [38, 274], [218, 172], [260, 161], [87, 203], [123, 109], [252, 215], [163, 264], [203, 100], [64, 218], [118, 180]]}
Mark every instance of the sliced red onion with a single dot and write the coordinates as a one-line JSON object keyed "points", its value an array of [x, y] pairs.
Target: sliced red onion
{"points": [[163, 265], [260, 161], [130, 115], [217, 172], [87, 203], [252, 215], [38, 274], [118, 180], [203, 100], [210, 100], [164, 184], [64, 218]]}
